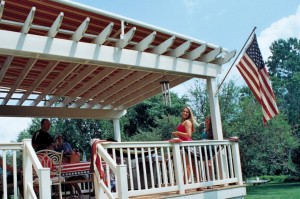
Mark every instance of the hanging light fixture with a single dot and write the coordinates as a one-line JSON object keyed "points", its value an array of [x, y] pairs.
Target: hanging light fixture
{"points": [[165, 89]]}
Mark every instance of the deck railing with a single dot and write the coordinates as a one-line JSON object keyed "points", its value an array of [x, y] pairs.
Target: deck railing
{"points": [[32, 164], [140, 168], [9, 153], [155, 167], [25, 170]]}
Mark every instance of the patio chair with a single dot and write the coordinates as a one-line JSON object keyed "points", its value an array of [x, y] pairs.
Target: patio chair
{"points": [[53, 160]]}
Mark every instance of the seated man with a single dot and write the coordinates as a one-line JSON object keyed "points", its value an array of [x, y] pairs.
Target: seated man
{"points": [[41, 139]]}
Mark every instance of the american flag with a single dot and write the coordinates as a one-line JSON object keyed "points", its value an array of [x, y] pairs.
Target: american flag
{"points": [[254, 72]]}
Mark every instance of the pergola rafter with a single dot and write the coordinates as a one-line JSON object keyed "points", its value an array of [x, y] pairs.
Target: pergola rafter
{"points": [[63, 55]]}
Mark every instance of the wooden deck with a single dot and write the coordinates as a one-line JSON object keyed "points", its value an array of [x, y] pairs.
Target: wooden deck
{"points": [[173, 194], [188, 193]]}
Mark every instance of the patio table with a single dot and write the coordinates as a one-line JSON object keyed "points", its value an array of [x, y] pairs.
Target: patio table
{"points": [[69, 170], [75, 169]]}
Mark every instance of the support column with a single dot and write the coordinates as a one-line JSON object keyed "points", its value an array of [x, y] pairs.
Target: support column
{"points": [[214, 109], [217, 124], [117, 131]]}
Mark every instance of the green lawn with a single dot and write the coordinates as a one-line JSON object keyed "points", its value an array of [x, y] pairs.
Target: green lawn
{"points": [[274, 191]]}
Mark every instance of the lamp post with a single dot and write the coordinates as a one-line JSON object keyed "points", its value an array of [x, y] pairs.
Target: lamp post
{"points": [[165, 89]]}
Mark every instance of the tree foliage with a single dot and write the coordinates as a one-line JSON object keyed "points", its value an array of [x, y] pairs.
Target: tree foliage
{"points": [[284, 69], [146, 116]]}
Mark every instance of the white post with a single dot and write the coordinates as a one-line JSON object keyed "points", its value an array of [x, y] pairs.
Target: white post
{"points": [[117, 131], [178, 167], [27, 167], [96, 186], [237, 163], [3, 175], [122, 181], [216, 121], [45, 184], [214, 109], [15, 174]]}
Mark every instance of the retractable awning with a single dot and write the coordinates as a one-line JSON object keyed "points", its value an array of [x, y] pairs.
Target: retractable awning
{"points": [[63, 59]]}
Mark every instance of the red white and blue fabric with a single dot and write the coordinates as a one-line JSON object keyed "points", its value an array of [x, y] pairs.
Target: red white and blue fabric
{"points": [[253, 70], [71, 169], [96, 161]]}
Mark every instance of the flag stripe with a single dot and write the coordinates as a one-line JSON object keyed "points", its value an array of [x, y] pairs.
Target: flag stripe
{"points": [[269, 93], [255, 74], [249, 74]]}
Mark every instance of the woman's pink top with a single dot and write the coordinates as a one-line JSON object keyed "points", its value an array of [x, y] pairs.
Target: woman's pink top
{"points": [[181, 128]]}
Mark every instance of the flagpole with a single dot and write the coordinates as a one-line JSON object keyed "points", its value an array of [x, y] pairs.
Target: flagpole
{"points": [[236, 59]]}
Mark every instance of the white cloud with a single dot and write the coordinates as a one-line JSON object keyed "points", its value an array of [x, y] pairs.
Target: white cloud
{"points": [[10, 128], [191, 5], [282, 29]]}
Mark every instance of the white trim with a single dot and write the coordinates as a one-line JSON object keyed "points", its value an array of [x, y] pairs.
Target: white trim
{"points": [[28, 22], [103, 36], [54, 112], [78, 34], [13, 43], [56, 25]]}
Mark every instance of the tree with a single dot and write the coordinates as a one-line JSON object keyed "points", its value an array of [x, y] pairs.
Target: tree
{"points": [[265, 149], [284, 69], [228, 100], [144, 117]]}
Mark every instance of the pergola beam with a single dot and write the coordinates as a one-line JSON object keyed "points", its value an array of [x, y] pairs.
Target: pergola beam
{"points": [[56, 25], [227, 57], [54, 112], [145, 43], [37, 81], [104, 73], [2, 3], [180, 50], [28, 22], [97, 90], [209, 57], [103, 36], [130, 90], [126, 83], [78, 34], [83, 74], [19, 79], [196, 53], [50, 87], [85, 53], [163, 47], [5, 66], [124, 41]]}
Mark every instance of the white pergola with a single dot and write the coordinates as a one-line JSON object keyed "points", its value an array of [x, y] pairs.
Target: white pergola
{"points": [[62, 59]]}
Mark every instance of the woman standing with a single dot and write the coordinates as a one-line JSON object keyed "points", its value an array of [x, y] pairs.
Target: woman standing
{"points": [[185, 131], [187, 126], [207, 134]]}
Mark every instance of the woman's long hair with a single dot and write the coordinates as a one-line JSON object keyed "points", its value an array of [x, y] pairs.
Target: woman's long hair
{"points": [[192, 118], [209, 130]]}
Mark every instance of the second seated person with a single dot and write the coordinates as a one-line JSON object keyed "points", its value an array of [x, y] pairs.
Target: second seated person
{"points": [[60, 146], [67, 150]]}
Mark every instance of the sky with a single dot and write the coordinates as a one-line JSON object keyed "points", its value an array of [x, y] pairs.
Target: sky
{"points": [[225, 23]]}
